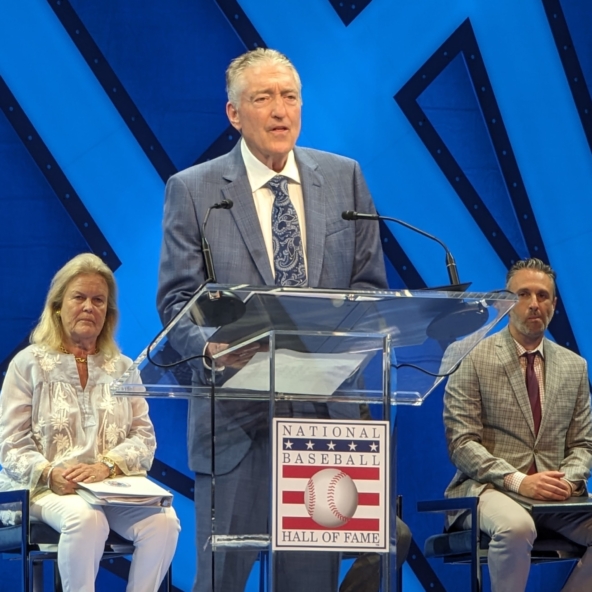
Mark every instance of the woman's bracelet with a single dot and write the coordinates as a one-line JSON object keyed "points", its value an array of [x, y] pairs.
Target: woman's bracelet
{"points": [[49, 477]]}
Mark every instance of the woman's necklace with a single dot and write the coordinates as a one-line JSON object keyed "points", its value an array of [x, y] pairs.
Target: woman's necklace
{"points": [[81, 360]]}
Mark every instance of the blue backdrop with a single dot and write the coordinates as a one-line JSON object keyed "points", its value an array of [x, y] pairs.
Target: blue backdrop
{"points": [[471, 120]]}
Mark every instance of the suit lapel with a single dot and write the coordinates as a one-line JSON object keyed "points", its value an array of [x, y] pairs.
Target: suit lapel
{"points": [[245, 214], [551, 381], [509, 359], [314, 210]]}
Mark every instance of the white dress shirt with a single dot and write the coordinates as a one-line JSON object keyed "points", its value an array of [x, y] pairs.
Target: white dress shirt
{"points": [[259, 175]]}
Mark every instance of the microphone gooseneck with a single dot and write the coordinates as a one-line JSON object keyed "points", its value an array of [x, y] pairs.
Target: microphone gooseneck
{"points": [[221, 306], [208, 307], [225, 204], [450, 262]]}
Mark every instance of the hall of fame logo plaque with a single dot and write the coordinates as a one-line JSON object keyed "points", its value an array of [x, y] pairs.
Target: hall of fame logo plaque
{"points": [[330, 485]]}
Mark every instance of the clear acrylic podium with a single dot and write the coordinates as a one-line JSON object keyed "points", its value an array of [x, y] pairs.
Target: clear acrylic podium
{"points": [[312, 353]]}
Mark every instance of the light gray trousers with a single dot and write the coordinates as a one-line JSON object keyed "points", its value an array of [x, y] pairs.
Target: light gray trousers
{"points": [[513, 531]]}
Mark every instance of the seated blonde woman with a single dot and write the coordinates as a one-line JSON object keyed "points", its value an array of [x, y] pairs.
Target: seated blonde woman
{"points": [[60, 426]]}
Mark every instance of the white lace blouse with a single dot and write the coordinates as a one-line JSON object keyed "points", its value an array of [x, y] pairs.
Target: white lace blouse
{"points": [[46, 417]]}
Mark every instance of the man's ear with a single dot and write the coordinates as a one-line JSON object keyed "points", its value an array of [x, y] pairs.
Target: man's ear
{"points": [[233, 116]]}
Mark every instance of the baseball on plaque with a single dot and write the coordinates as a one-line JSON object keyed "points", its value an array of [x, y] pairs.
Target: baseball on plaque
{"points": [[331, 497]]}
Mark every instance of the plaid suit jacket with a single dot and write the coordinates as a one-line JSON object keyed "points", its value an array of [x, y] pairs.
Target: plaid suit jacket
{"points": [[488, 419]]}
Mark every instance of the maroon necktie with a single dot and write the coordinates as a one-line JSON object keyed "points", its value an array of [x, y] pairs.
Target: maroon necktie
{"points": [[534, 396]]}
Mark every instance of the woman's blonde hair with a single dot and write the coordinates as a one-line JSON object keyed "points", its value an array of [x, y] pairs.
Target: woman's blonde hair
{"points": [[50, 332]]}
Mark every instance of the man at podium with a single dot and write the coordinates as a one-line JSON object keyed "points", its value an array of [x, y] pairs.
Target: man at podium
{"points": [[283, 227]]}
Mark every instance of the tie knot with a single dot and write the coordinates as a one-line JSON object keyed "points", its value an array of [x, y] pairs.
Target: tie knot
{"points": [[278, 182], [530, 357]]}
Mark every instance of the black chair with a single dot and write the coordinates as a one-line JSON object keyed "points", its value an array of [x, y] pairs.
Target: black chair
{"points": [[25, 539], [470, 546]]}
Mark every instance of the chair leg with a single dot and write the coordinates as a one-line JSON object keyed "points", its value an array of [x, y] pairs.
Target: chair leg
{"points": [[167, 583], [399, 510], [24, 572], [262, 571], [57, 579], [35, 576], [475, 555]]}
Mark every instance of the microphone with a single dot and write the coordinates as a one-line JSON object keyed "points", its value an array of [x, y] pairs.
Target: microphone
{"points": [[208, 309], [220, 307], [225, 204], [450, 262]]}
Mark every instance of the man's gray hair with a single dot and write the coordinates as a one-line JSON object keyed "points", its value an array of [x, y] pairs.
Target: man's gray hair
{"points": [[531, 263], [252, 58]]}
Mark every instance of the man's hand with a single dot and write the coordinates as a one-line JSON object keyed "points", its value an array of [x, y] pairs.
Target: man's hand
{"points": [[547, 485], [237, 359]]}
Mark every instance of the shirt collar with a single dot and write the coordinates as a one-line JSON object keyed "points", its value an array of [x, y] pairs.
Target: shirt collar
{"points": [[521, 350], [259, 174]]}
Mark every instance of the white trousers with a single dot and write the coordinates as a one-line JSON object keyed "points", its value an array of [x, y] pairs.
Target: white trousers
{"points": [[513, 531], [84, 529]]}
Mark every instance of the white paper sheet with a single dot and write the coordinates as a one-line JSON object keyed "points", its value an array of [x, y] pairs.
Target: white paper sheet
{"points": [[297, 372]]}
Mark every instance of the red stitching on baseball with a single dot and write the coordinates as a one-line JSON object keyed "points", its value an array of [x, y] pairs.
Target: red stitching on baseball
{"points": [[311, 498], [331, 496]]}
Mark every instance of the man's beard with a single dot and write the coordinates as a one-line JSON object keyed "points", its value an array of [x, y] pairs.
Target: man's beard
{"points": [[526, 329]]}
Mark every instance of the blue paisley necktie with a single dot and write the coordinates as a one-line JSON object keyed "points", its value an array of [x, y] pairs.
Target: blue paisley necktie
{"points": [[288, 252]]}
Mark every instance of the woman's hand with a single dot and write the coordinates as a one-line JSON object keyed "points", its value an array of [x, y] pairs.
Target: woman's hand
{"points": [[59, 484], [83, 473]]}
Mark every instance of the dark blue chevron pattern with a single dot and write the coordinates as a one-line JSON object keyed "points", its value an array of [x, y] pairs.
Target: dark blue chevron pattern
{"points": [[108, 36], [348, 10], [570, 22], [496, 198], [48, 222]]}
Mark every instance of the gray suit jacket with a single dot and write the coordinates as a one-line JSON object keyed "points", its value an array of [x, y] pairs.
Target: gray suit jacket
{"points": [[488, 419], [340, 255]]}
